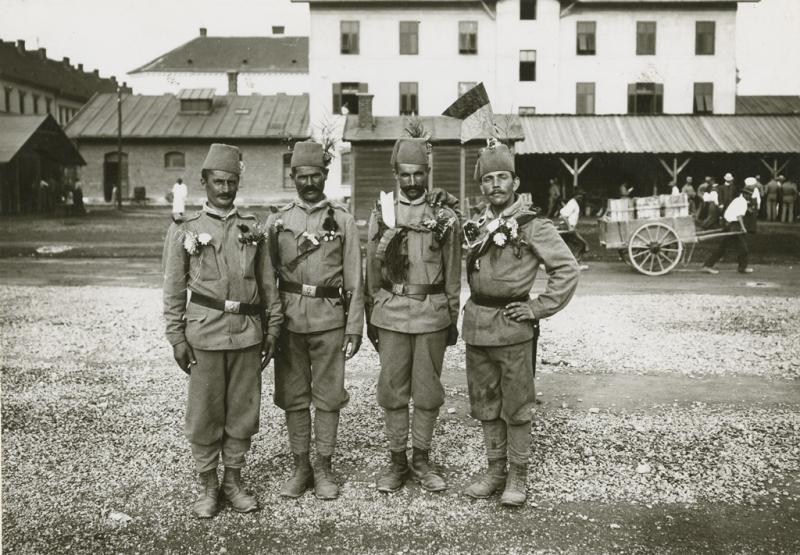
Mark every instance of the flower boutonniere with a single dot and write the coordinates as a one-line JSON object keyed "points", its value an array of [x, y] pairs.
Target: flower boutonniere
{"points": [[252, 236], [440, 225], [308, 242], [507, 233], [193, 241]]}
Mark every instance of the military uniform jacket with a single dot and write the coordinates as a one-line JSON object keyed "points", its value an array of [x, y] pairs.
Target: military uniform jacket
{"points": [[502, 274], [428, 263], [331, 263], [224, 269]]}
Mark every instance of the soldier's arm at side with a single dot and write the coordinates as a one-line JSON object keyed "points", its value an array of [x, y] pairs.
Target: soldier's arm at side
{"points": [[451, 258], [374, 276], [562, 269], [352, 277], [268, 287], [175, 265]]}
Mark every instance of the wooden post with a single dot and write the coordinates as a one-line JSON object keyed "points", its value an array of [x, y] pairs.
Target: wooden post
{"points": [[462, 182], [676, 168], [774, 170], [575, 170], [118, 200]]}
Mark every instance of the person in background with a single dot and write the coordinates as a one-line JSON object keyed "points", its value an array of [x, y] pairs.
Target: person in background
{"points": [[761, 189], [553, 199], [179, 194], [570, 214], [691, 194], [739, 208], [673, 188], [625, 191], [710, 212], [773, 194], [727, 192], [77, 199], [788, 197]]}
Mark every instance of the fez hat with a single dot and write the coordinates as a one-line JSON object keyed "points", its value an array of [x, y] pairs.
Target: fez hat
{"points": [[494, 158], [410, 151], [223, 157], [308, 153]]}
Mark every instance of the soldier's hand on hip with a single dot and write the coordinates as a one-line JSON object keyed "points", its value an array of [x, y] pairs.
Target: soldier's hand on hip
{"points": [[372, 335], [351, 345], [452, 335], [519, 312], [267, 350], [184, 356]]}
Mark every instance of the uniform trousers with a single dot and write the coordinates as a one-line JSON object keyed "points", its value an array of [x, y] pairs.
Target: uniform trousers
{"points": [[772, 209], [223, 405], [787, 211], [411, 368]]}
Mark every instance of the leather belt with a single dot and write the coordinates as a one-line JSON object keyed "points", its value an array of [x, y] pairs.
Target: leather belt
{"points": [[319, 291], [413, 288], [497, 302], [232, 307]]}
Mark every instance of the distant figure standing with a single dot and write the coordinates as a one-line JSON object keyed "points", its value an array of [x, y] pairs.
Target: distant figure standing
{"points": [[738, 208], [710, 212], [77, 199], [788, 197], [761, 189], [44, 196], [673, 188], [773, 193], [179, 194], [570, 214], [727, 192], [691, 194], [625, 191], [553, 199]]}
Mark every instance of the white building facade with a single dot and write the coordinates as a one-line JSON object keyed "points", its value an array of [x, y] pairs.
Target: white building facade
{"points": [[533, 56]]}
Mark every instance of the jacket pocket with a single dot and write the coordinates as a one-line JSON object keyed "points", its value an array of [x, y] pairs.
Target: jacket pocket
{"points": [[249, 261], [203, 265]]}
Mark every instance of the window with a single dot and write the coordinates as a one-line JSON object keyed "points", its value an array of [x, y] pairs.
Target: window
{"points": [[36, 104], [196, 104], [527, 65], [527, 9], [527, 110], [278, 29], [345, 97], [704, 38], [586, 38], [464, 86], [174, 160], [704, 98], [584, 98], [409, 37], [408, 99], [8, 98], [349, 37], [48, 102], [22, 96], [645, 98], [288, 182], [347, 165], [645, 38], [467, 37]]}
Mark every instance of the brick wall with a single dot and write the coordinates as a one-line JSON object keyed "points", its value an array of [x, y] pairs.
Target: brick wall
{"points": [[261, 183]]}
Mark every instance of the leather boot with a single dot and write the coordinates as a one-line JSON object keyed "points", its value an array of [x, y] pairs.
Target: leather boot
{"points": [[429, 478], [324, 486], [492, 481], [205, 506], [302, 477], [515, 493], [240, 500], [393, 478]]}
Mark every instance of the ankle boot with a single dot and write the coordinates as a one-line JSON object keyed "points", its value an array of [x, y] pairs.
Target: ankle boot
{"points": [[324, 486], [240, 500], [302, 477], [515, 493], [492, 481], [393, 478], [205, 506], [426, 474]]}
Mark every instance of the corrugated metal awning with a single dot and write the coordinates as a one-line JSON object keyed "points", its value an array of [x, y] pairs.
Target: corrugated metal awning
{"points": [[567, 134]]}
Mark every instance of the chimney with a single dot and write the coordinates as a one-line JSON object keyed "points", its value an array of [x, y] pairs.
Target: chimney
{"points": [[43, 53], [233, 82], [365, 110], [21, 45], [203, 32], [96, 72], [80, 67], [65, 60]]}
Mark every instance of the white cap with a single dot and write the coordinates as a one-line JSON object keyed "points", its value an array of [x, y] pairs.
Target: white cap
{"points": [[728, 177], [750, 181]]}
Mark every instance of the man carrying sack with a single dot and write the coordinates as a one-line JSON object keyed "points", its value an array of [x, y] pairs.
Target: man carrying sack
{"points": [[224, 337]]}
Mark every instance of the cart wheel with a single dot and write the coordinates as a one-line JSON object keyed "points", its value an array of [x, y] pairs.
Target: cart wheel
{"points": [[654, 249]]}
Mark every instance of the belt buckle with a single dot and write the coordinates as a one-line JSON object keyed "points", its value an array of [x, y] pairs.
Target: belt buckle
{"points": [[397, 288], [233, 306], [309, 290]]}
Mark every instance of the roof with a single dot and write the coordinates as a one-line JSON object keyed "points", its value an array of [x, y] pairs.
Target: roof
{"points": [[768, 104], [37, 132], [196, 94], [34, 68], [660, 134], [657, 1], [232, 117], [242, 54], [441, 128]]}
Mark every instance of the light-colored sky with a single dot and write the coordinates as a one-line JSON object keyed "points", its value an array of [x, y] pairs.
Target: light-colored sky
{"points": [[116, 36]]}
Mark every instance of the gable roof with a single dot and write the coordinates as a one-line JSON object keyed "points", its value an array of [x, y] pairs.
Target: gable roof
{"points": [[35, 69], [38, 132], [768, 104], [242, 54], [232, 117]]}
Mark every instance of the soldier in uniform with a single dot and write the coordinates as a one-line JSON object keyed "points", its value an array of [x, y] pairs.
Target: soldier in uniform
{"points": [[509, 243], [224, 337], [413, 286], [317, 256]]}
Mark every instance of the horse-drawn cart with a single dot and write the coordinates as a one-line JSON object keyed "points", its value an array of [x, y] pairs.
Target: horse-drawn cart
{"points": [[656, 235]]}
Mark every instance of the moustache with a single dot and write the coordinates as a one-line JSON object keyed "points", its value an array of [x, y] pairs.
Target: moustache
{"points": [[310, 189]]}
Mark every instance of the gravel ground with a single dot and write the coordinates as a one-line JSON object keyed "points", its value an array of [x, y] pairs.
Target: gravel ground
{"points": [[94, 458]]}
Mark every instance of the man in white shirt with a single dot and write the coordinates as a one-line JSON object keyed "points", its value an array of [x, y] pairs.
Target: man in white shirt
{"points": [[570, 214], [736, 211], [179, 194]]}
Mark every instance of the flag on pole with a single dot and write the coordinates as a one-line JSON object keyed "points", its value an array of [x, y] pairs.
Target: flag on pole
{"points": [[475, 112]]}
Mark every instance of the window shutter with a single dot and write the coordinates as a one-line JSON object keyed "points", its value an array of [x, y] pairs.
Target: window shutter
{"points": [[337, 98]]}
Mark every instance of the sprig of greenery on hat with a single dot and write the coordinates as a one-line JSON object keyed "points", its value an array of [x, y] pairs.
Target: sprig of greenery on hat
{"points": [[415, 129]]}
